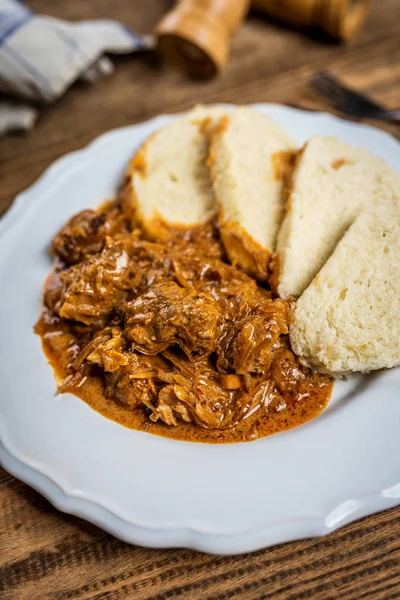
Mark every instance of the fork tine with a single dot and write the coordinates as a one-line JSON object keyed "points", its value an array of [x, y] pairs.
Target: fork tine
{"points": [[334, 96], [344, 98], [348, 101], [334, 82], [341, 104], [326, 86], [349, 92]]}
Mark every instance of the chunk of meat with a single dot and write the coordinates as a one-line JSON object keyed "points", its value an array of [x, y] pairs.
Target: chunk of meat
{"points": [[133, 384], [248, 345], [86, 232], [92, 289], [167, 314], [107, 350], [211, 274], [82, 234], [195, 391], [151, 263], [191, 393], [291, 380], [170, 409]]}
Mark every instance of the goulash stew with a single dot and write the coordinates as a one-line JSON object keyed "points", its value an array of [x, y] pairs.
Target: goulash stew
{"points": [[167, 337]]}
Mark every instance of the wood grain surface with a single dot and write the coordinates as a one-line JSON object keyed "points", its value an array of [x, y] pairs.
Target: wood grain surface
{"points": [[46, 554]]}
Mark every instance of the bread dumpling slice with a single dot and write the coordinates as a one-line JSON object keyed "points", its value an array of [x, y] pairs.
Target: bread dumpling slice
{"points": [[348, 319], [169, 179], [331, 183], [249, 154]]}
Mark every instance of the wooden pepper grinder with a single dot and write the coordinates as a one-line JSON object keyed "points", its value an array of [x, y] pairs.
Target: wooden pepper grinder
{"points": [[195, 34]]}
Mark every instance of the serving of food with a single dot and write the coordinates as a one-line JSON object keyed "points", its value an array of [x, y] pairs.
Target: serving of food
{"points": [[243, 279], [160, 314]]}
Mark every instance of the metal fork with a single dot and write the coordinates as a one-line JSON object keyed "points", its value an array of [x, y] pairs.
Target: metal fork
{"points": [[349, 101]]}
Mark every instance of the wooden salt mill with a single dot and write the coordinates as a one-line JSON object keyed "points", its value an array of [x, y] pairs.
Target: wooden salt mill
{"points": [[195, 35]]}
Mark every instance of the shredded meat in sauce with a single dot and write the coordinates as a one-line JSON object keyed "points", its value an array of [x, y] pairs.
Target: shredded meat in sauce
{"points": [[168, 337]]}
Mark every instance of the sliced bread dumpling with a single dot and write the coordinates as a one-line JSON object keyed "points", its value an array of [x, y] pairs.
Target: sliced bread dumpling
{"points": [[348, 319], [330, 184], [249, 155], [168, 178]]}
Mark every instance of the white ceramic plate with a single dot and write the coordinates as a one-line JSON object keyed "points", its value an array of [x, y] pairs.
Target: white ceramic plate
{"points": [[158, 492]]}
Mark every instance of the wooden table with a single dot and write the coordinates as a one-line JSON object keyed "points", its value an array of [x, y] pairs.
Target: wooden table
{"points": [[46, 554]]}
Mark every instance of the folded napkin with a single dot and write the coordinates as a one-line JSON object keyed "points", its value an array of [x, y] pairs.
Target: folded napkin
{"points": [[40, 57]]}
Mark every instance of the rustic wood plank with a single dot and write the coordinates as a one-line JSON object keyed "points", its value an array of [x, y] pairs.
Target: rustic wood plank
{"points": [[47, 554], [73, 559]]}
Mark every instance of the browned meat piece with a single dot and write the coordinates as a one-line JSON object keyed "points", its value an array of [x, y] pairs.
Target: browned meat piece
{"points": [[132, 385], [248, 346], [127, 392], [291, 380], [109, 355], [210, 274], [85, 233], [192, 393], [196, 393], [170, 409], [151, 263], [167, 314], [94, 287], [107, 350]]}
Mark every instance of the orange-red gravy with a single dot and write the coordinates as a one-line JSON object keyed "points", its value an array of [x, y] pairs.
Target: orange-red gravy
{"points": [[58, 346]]}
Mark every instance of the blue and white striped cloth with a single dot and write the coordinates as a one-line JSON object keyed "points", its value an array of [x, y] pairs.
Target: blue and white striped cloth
{"points": [[40, 57]]}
